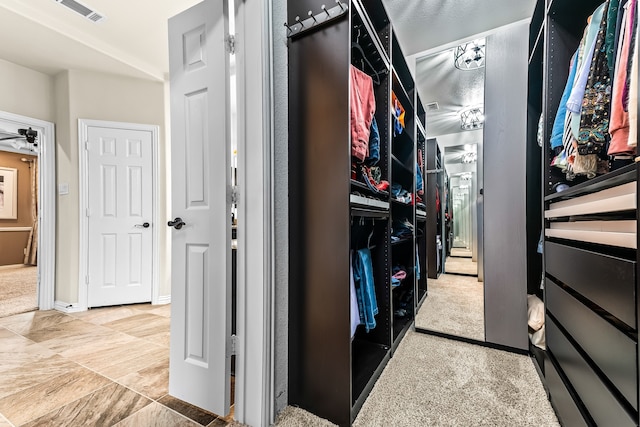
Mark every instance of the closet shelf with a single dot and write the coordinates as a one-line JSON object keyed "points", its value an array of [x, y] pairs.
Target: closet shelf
{"points": [[366, 202], [368, 361], [611, 179], [399, 164], [362, 186], [401, 241], [615, 199], [401, 94]]}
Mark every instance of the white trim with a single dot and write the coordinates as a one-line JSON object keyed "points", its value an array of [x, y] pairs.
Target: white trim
{"points": [[15, 229], [161, 300], [66, 307], [83, 130], [46, 203], [254, 403]]}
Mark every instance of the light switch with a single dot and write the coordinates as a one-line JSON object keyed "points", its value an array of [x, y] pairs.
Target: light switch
{"points": [[63, 188]]}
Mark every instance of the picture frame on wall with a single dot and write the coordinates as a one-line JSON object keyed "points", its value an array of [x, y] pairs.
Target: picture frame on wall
{"points": [[8, 193]]}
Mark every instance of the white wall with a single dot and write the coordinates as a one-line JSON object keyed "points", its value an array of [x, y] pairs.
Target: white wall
{"points": [[89, 95], [26, 92]]}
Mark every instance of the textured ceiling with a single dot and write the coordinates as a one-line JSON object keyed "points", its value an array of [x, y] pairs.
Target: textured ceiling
{"points": [[425, 24], [438, 80], [427, 30]]}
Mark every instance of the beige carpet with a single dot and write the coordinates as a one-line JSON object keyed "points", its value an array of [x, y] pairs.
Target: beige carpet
{"points": [[460, 265], [18, 289], [454, 305], [461, 252], [432, 381]]}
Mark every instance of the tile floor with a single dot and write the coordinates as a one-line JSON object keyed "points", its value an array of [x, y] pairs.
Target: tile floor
{"points": [[102, 367]]}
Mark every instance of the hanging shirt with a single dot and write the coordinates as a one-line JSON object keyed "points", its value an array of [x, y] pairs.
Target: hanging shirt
{"points": [[363, 106], [558, 124], [633, 99], [619, 126], [610, 36]]}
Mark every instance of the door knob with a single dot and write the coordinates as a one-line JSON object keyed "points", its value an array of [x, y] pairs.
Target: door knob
{"points": [[143, 225], [176, 223]]}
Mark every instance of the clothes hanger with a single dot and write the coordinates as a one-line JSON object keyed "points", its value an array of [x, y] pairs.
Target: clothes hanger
{"points": [[364, 60]]}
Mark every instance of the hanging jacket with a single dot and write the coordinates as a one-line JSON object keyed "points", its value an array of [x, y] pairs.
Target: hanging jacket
{"points": [[594, 117]]}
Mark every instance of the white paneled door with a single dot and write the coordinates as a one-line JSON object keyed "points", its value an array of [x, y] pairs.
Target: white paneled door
{"points": [[199, 370], [120, 212]]}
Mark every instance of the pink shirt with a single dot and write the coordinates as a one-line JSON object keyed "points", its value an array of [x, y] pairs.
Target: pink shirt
{"points": [[363, 106]]}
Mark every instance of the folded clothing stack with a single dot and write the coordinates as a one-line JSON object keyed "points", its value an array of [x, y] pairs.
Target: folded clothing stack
{"points": [[401, 229], [399, 274], [400, 194]]}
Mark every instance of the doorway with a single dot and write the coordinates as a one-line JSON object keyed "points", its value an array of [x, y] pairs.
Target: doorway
{"points": [[119, 228], [28, 216]]}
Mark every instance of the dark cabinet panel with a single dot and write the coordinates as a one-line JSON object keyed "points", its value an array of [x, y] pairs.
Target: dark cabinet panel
{"points": [[610, 349], [606, 280], [602, 405], [563, 403]]}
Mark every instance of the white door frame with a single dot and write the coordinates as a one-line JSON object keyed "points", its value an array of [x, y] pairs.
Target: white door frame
{"points": [[46, 204], [83, 132], [254, 401]]}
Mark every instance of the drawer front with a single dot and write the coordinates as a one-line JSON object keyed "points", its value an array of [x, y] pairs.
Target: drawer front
{"points": [[604, 408], [607, 281], [561, 400], [613, 352]]}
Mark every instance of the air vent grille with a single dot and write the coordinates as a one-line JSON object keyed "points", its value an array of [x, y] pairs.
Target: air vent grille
{"points": [[83, 10], [432, 106]]}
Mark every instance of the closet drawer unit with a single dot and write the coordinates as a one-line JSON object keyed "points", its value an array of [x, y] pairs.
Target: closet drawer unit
{"points": [[613, 352], [603, 407], [561, 400], [606, 280]]}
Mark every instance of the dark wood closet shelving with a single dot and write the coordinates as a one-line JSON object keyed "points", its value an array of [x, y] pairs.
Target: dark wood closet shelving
{"points": [[592, 301], [331, 373]]}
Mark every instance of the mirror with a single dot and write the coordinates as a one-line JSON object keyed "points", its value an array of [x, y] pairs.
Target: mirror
{"points": [[461, 258], [451, 86]]}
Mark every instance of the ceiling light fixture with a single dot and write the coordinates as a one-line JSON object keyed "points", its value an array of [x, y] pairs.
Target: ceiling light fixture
{"points": [[470, 56], [466, 176], [472, 118], [469, 158], [24, 139]]}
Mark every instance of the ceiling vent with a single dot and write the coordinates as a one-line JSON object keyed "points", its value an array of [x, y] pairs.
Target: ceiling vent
{"points": [[83, 10], [432, 106]]}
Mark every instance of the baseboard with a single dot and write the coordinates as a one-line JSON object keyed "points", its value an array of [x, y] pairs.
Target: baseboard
{"points": [[473, 341], [66, 307], [165, 299]]}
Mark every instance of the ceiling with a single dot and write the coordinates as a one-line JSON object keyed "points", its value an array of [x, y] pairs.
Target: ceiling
{"points": [[421, 25], [427, 31], [132, 41], [45, 36], [438, 80]]}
